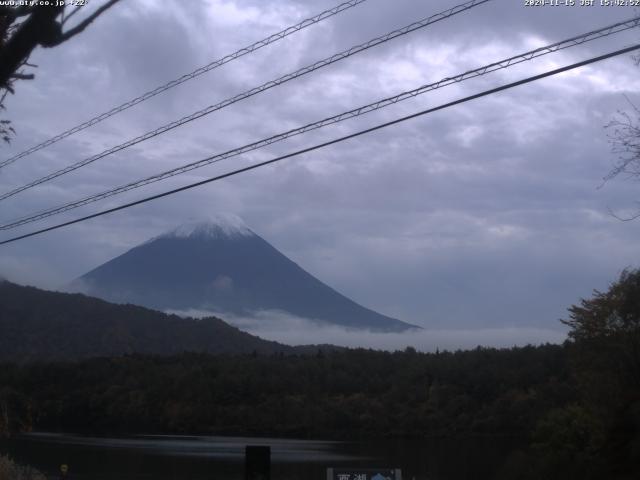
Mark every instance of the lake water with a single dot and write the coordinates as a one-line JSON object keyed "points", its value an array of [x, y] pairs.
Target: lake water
{"points": [[201, 457]]}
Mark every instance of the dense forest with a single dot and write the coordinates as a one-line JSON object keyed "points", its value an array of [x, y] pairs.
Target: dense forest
{"points": [[577, 404], [355, 393]]}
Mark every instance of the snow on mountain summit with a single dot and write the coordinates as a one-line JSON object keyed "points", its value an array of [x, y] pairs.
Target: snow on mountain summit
{"points": [[215, 226], [220, 265]]}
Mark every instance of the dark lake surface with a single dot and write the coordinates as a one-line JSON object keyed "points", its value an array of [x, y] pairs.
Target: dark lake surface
{"points": [[201, 457]]}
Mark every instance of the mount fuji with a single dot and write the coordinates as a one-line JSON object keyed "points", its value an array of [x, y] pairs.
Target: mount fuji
{"points": [[221, 265]]}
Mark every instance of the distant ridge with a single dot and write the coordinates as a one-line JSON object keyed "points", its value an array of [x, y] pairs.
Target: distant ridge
{"points": [[221, 265], [42, 325]]}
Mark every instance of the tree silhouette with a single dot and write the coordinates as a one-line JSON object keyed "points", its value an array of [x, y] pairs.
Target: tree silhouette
{"points": [[605, 355], [25, 27]]}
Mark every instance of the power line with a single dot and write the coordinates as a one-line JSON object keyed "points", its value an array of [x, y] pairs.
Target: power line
{"points": [[331, 142], [254, 91], [184, 78], [505, 63]]}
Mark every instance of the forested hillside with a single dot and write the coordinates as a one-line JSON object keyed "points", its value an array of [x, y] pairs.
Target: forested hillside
{"points": [[577, 404], [38, 324]]}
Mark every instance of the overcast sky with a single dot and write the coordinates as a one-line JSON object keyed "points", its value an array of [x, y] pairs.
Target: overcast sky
{"points": [[481, 217]]}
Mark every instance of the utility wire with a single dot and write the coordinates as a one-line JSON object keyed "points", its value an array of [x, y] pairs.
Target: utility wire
{"points": [[331, 142], [502, 64], [184, 78], [254, 91]]}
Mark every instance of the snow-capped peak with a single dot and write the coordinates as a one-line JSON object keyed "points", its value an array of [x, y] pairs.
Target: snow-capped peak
{"points": [[216, 226]]}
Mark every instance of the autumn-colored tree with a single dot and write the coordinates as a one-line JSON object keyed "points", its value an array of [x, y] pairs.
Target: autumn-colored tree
{"points": [[605, 346], [609, 322]]}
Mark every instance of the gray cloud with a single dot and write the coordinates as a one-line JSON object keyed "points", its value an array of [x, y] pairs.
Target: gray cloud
{"points": [[482, 217]]}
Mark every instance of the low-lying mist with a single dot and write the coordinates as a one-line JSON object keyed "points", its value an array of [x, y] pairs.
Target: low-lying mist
{"points": [[292, 330]]}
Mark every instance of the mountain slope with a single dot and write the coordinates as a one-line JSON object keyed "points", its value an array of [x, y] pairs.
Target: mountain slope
{"points": [[222, 265], [38, 324]]}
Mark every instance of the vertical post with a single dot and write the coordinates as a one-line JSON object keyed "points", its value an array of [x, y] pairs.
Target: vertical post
{"points": [[257, 462]]}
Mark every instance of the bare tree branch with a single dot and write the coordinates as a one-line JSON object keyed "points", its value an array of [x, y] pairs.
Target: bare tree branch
{"points": [[16, 12], [82, 25], [624, 138], [23, 76], [73, 12], [623, 219], [40, 27]]}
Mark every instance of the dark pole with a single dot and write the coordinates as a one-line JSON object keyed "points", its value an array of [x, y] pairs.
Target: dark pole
{"points": [[257, 463]]}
